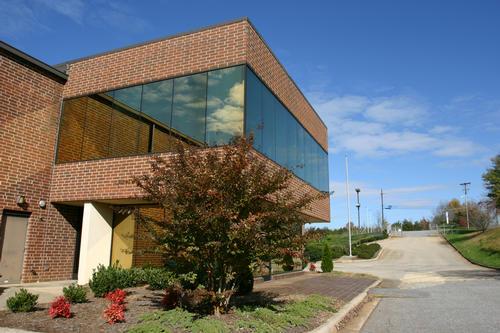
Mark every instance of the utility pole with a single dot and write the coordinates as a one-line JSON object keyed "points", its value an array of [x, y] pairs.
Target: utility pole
{"points": [[382, 206], [466, 204], [358, 206], [348, 203]]}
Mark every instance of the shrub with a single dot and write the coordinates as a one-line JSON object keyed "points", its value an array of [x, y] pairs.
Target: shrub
{"points": [[60, 307], [22, 301], [158, 278], [338, 251], [327, 260], [75, 293], [365, 251], [313, 251], [172, 297], [287, 263], [106, 279], [312, 267], [114, 313], [117, 296]]}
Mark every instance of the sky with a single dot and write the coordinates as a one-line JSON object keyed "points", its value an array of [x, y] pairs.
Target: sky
{"points": [[409, 90]]}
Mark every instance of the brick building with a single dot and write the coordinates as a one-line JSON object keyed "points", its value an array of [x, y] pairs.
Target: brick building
{"points": [[73, 135]]}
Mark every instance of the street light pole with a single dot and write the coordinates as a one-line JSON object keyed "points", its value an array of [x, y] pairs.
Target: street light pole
{"points": [[348, 203], [466, 204], [358, 206], [382, 205]]}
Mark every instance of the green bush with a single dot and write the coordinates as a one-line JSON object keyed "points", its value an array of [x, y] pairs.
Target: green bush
{"points": [[75, 293], [22, 301], [244, 281], [327, 260], [366, 251], [287, 263], [106, 279], [338, 251], [313, 251], [158, 278]]}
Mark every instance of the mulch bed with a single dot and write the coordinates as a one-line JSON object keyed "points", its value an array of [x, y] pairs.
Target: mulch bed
{"points": [[87, 317]]}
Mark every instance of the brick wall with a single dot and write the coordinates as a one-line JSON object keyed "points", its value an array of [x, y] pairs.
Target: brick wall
{"points": [[216, 47], [30, 103], [111, 178]]}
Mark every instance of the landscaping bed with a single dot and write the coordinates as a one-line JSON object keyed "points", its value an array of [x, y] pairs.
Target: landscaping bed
{"points": [[295, 305]]}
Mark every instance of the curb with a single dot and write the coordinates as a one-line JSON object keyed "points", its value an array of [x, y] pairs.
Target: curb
{"points": [[335, 323], [469, 260]]}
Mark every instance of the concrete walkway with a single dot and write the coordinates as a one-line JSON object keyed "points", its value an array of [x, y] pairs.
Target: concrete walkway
{"points": [[47, 291], [429, 287]]}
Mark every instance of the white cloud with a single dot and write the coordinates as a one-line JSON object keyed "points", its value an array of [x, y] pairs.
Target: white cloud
{"points": [[367, 190], [387, 126]]}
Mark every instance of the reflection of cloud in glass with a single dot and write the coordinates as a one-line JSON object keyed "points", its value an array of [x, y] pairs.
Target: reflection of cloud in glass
{"points": [[227, 116]]}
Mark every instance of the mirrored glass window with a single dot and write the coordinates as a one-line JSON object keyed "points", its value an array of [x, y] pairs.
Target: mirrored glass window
{"points": [[225, 98], [190, 97], [157, 101], [253, 109], [269, 103]]}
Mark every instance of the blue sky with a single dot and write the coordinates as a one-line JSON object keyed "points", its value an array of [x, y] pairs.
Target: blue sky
{"points": [[410, 90]]}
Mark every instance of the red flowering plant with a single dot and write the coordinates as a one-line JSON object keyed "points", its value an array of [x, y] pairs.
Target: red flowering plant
{"points": [[60, 307], [312, 267], [117, 296], [114, 313]]}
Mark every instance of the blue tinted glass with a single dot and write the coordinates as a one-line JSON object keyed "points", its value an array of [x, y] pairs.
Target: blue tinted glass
{"points": [[301, 150], [157, 101], [129, 97], [225, 105], [269, 131], [253, 109], [291, 139], [281, 135], [188, 115]]}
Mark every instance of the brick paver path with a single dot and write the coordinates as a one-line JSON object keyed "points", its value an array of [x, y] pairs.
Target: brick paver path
{"points": [[344, 288]]}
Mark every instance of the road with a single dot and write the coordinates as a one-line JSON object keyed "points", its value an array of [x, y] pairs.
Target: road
{"points": [[428, 287]]}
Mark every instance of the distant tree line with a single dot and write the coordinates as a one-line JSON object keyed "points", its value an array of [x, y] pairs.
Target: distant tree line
{"points": [[408, 225]]}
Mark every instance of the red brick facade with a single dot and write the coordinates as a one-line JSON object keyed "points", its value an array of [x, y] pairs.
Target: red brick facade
{"points": [[30, 101]]}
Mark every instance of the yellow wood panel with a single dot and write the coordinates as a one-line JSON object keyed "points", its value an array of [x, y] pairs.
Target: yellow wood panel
{"points": [[123, 240]]}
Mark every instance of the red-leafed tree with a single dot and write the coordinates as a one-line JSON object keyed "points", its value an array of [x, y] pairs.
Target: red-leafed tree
{"points": [[224, 209]]}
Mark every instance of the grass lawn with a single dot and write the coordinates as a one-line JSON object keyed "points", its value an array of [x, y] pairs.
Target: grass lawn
{"points": [[482, 248]]}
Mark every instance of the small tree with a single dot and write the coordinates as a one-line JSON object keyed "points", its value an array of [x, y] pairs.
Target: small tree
{"points": [[491, 180], [327, 259], [224, 209]]}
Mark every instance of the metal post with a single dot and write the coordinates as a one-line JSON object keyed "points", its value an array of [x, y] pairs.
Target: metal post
{"points": [[348, 203], [382, 206], [466, 204], [358, 206]]}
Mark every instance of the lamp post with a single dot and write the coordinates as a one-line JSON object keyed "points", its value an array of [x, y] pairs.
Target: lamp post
{"points": [[358, 206], [348, 203]]}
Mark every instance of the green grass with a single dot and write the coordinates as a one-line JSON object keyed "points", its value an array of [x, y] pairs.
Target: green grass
{"points": [[481, 248], [272, 319]]}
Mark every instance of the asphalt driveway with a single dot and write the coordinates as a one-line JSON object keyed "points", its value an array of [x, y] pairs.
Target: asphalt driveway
{"points": [[429, 287]]}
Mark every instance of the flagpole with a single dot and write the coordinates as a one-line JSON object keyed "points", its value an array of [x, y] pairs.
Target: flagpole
{"points": [[348, 203]]}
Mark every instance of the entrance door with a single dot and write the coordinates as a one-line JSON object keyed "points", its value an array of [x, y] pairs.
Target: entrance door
{"points": [[123, 240], [12, 241]]}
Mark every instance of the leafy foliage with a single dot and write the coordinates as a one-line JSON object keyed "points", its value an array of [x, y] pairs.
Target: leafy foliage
{"points": [[479, 216], [366, 251], [106, 279], [114, 313], [117, 296], [327, 260], [22, 301], [75, 293], [288, 262], [60, 307], [223, 209], [491, 179]]}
